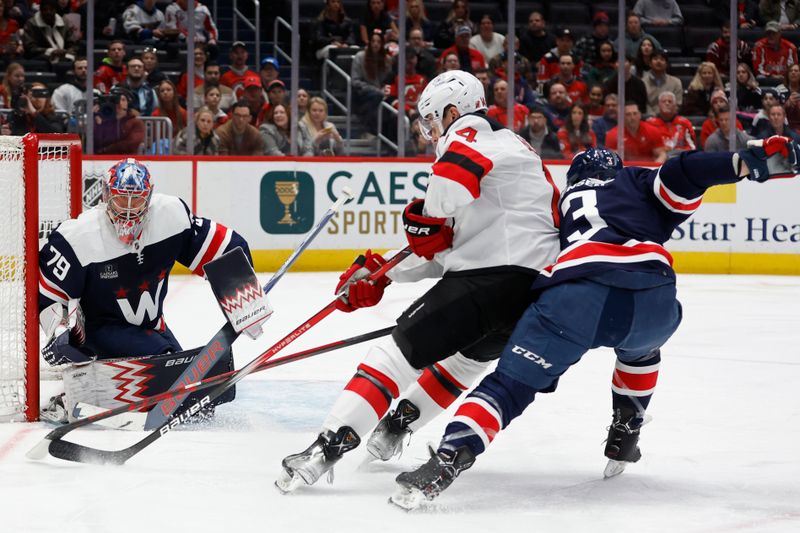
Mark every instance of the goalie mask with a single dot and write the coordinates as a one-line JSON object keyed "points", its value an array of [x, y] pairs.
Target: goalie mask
{"points": [[597, 163], [454, 88], [127, 193]]}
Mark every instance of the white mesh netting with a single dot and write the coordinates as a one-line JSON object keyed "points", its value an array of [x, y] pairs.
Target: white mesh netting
{"points": [[54, 193]]}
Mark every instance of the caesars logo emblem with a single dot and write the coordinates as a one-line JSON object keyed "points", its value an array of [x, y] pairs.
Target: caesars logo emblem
{"points": [[287, 202]]}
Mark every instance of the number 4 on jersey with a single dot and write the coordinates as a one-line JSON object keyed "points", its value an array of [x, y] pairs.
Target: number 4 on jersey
{"points": [[468, 133]]}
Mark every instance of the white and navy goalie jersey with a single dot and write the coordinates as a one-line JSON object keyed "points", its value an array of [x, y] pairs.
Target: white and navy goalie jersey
{"points": [[622, 223], [83, 258], [500, 196]]}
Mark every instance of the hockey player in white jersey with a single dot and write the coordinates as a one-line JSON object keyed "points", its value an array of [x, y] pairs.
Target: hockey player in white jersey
{"points": [[104, 275], [487, 225]]}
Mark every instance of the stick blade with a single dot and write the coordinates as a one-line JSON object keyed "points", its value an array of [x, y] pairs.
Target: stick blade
{"points": [[40, 451], [77, 453]]}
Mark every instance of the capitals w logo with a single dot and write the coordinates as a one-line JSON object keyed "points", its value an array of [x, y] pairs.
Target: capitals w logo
{"points": [[148, 306], [243, 296], [131, 380]]}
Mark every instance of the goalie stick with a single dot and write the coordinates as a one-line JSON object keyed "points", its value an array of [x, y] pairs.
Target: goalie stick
{"points": [[128, 416], [54, 444]]}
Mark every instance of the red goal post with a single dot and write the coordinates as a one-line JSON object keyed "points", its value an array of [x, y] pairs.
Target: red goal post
{"points": [[40, 176]]}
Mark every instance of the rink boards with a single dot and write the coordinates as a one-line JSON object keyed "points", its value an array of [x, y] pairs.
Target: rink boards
{"points": [[746, 228]]}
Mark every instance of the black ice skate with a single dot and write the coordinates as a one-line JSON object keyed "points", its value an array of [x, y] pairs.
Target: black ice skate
{"points": [[430, 479], [623, 438], [387, 439], [309, 465]]}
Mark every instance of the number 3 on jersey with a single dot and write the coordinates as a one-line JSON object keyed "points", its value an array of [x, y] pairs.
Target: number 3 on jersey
{"points": [[587, 211], [468, 133]]}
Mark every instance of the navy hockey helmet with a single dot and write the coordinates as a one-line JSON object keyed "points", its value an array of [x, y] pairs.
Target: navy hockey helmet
{"points": [[598, 163], [127, 193]]}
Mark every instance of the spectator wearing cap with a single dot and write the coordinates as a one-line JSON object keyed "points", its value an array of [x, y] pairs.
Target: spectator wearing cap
{"points": [[469, 58], [200, 58], [549, 65], [659, 12], [211, 78], [144, 23], [706, 80], [276, 92], [677, 131], [718, 141], [488, 42], [719, 51], [535, 40], [772, 54], [777, 125], [587, 49], [523, 94], [176, 19], [634, 35], [427, 64], [237, 136], [457, 16], [237, 71], [718, 101], [601, 125], [657, 81], [143, 97], [377, 17], [499, 111], [643, 141], [769, 97], [47, 36], [270, 71], [634, 87], [577, 91], [540, 137], [415, 82], [254, 97], [332, 29], [154, 72], [785, 12], [112, 70]]}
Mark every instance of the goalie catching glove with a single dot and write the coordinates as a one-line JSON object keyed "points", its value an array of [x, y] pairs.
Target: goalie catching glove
{"points": [[426, 235], [66, 333], [775, 157], [238, 292], [354, 290]]}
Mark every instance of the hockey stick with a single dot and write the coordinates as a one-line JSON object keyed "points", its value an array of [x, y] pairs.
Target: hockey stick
{"points": [[225, 337], [70, 451], [131, 418]]}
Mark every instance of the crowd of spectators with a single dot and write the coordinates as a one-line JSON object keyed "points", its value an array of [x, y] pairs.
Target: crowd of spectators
{"points": [[565, 81]]}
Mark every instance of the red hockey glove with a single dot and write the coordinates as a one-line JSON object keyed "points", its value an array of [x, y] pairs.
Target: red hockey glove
{"points": [[426, 235], [775, 157], [357, 291]]}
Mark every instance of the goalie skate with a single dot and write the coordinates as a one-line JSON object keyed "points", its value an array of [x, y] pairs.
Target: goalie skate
{"points": [[432, 478], [622, 443], [387, 439], [309, 465]]}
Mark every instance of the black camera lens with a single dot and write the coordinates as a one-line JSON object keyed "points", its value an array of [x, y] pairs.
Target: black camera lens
{"points": [[39, 93]]}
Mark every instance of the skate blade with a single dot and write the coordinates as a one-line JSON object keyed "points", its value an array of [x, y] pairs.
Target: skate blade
{"points": [[288, 483], [407, 498], [614, 468]]}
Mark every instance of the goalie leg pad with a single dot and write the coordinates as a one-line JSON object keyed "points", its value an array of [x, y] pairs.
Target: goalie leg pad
{"points": [[115, 341]]}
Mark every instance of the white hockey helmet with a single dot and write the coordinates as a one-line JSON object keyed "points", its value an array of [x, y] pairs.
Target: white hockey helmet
{"points": [[453, 88]]}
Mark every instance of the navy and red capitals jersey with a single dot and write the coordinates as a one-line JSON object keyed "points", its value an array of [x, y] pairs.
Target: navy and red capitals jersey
{"points": [[83, 258], [622, 223]]}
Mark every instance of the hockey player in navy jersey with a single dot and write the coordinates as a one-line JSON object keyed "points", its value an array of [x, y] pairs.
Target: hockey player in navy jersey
{"points": [[105, 274], [486, 226], [612, 285]]}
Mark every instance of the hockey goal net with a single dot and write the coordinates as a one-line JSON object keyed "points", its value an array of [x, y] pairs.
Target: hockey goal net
{"points": [[40, 186]]}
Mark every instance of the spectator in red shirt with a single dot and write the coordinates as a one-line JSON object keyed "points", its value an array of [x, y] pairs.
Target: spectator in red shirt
{"points": [[499, 111], [772, 55], [253, 96], [576, 89], [168, 106], [642, 141], [238, 71], [718, 101], [719, 51], [415, 82], [10, 43], [469, 58], [576, 136], [200, 57], [549, 64], [676, 131], [113, 70]]}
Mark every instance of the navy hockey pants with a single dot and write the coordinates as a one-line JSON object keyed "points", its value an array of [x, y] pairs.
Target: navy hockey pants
{"points": [[110, 341], [553, 334]]}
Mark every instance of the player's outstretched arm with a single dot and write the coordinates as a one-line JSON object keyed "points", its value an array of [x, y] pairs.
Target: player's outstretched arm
{"points": [[764, 159]]}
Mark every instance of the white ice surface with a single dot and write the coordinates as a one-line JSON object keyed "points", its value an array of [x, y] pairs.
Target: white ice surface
{"points": [[721, 455]]}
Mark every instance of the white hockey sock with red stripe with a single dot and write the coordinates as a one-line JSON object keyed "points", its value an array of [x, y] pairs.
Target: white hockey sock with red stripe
{"points": [[380, 378], [441, 384]]}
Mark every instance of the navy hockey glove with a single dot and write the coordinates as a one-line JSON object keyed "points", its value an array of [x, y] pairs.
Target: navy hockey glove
{"points": [[356, 290], [59, 351], [426, 235], [775, 157]]}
